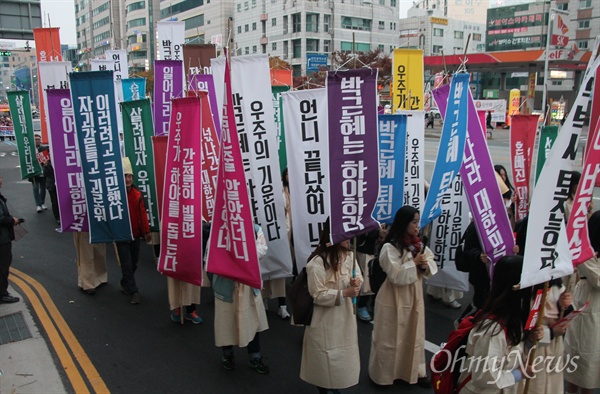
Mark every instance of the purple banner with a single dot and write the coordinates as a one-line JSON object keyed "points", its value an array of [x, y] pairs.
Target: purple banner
{"points": [[353, 152], [206, 82], [168, 84], [67, 170], [483, 193]]}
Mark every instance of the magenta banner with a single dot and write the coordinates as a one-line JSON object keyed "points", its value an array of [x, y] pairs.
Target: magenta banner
{"points": [[67, 171], [522, 143], [168, 84], [181, 220], [353, 152], [479, 177], [206, 82], [210, 158]]}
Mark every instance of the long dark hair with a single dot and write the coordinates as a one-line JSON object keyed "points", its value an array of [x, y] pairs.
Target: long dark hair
{"points": [[330, 254], [284, 178], [396, 234], [575, 178], [506, 306], [498, 168], [594, 231]]}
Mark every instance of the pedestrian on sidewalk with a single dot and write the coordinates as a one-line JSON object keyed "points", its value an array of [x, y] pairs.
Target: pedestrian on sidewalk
{"points": [[38, 182], [7, 235], [488, 120]]}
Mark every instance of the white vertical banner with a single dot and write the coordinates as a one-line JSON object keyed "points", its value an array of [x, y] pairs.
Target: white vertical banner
{"points": [[414, 166], [53, 75], [255, 121], [120, 66], [218, 70], [171, 37], [446, 231], [307, 146]]}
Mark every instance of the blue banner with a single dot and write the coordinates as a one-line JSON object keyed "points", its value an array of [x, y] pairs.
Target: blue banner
{"points": [[98, 142], [133, 89], [392, 150], [451, 150]]}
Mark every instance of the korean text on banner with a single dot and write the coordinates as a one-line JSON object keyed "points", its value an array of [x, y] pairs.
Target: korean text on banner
{"points": [[407, 79], [181, 224], [20, 112], [446, 232], [353, 158], [210, 157], [52, 75], [414, 164], [305, 119], [65, 159], [451, 149], [392, 152], [277, 91], [133, 88], [232, 252], [547, 253], [171, 37], [137, 139], [168, 84], [548, 135], [47, 49], [206, 82], [196, 58], [482, 190], [522, 144], [92, 94], [255, 122]]}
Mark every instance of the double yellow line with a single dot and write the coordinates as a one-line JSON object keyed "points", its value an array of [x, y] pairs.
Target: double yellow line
{"points": [[69, 351]]}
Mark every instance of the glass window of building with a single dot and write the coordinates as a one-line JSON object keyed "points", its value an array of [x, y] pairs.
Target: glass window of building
{"points": [[437, 32], [296, 23], [326, 22], [312, 22], [297, 48], [381, 25], [458, 34], [312, 45], [285, 24]]}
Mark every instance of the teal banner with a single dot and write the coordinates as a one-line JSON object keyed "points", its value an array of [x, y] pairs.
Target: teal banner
{"points": [[20, 112], [547, 137]]}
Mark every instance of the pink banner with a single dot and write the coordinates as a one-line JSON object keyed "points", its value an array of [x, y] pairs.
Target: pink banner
{"points": [[594, 118], [210, 157], [232, 251], [577, 228], [522, 142], [181, 224]]}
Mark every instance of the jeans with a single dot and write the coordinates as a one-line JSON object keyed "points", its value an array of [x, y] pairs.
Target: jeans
{"points": [[253, 346], [129, 253], [39, 190]]}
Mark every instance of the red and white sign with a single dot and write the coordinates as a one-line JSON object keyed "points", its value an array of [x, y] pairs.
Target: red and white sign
{"points": [[559, 41]]}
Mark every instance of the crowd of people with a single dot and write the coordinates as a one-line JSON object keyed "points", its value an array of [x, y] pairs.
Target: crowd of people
{"points": [[330, 352]]}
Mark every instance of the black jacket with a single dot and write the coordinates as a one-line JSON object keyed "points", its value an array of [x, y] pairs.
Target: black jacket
{"points": [[7, 223]]}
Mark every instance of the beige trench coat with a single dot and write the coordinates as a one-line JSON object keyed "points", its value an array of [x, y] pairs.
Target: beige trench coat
{"points": [[91, 261], [398, 342], [330, 357]]}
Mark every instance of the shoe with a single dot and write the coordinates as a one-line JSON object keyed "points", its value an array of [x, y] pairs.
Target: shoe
{"points": [[283, 312], [39, 209], [123, 290], [44, 207], [454, 304], [176, 315], [257, 365], [228, 362], [135, 298], [89, 291], [424, 382], [363, 313], [193, 317], [8, 299]]}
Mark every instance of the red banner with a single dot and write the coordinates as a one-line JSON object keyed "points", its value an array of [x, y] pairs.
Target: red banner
{"points": [[210, 157], [594, 118], [522, 141], [232, 252], [47, 49], [181, 221]]}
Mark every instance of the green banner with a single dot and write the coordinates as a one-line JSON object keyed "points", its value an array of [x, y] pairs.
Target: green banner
{"points": [[547, 137], [277, 90], [20, 112], [138, 130]]}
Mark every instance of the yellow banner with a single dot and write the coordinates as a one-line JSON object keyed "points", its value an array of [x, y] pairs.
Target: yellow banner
{"points": [[514, 102], [407, 80]]}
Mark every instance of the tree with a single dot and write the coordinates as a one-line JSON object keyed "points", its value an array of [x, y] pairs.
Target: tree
{"points": [[149, 75]]}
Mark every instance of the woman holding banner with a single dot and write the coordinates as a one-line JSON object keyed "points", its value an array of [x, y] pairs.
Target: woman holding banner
{"points": [[398, 343], [330, 358]]}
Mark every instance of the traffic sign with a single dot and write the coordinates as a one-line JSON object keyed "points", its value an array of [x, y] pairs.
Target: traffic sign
{"points": [[5, 53]]}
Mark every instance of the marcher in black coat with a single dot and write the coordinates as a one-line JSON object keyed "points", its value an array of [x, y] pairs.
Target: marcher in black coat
{"points": [[7, 235]]}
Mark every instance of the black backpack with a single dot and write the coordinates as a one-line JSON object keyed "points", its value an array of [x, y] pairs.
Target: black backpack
{"points": [[376, 274], [300, 299], [460, 258]]}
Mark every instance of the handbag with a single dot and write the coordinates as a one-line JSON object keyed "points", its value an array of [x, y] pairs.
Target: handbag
{"points": [[300, 300]]}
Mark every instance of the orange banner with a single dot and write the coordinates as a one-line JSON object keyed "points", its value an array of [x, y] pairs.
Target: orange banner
{"points": [[47, 49], [281, 78]]}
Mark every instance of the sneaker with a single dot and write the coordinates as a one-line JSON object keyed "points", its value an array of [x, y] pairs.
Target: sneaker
{"points": [[44, 207], [193, 317], [257, 365], [228, 362], [39, 209], [8, 299], [135, 298], [363, 313], [176, 315], [454, 304], [283, 312]]}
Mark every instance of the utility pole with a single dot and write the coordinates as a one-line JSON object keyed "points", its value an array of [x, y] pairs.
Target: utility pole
{"points": [[551, 13]]}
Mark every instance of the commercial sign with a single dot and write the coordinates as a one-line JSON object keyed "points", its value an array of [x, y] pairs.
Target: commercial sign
{"points": [[438, 21], [315, 60], [515, 27]]}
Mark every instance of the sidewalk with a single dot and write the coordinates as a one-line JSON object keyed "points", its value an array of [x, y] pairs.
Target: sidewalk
{"points": [[26, 365]]}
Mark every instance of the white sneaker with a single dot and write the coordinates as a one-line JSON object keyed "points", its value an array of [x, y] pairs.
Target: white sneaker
{"points": [[44, 207], [454, 304], [39, 208], [283, 312]]}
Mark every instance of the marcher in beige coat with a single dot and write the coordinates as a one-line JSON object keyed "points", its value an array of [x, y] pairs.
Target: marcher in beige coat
{"points": [[398, 342], [91, 263], [330, 358]]}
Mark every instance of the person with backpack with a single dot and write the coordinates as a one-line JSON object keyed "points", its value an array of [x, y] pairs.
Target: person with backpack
{"points": [[330, 357], [398, 342], [495, 352]]}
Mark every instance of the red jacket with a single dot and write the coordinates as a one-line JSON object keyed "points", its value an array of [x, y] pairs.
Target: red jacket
{"points": [[137, 213]]}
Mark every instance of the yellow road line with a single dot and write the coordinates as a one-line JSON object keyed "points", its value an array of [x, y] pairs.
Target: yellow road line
{"points": [[82, 358]]}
